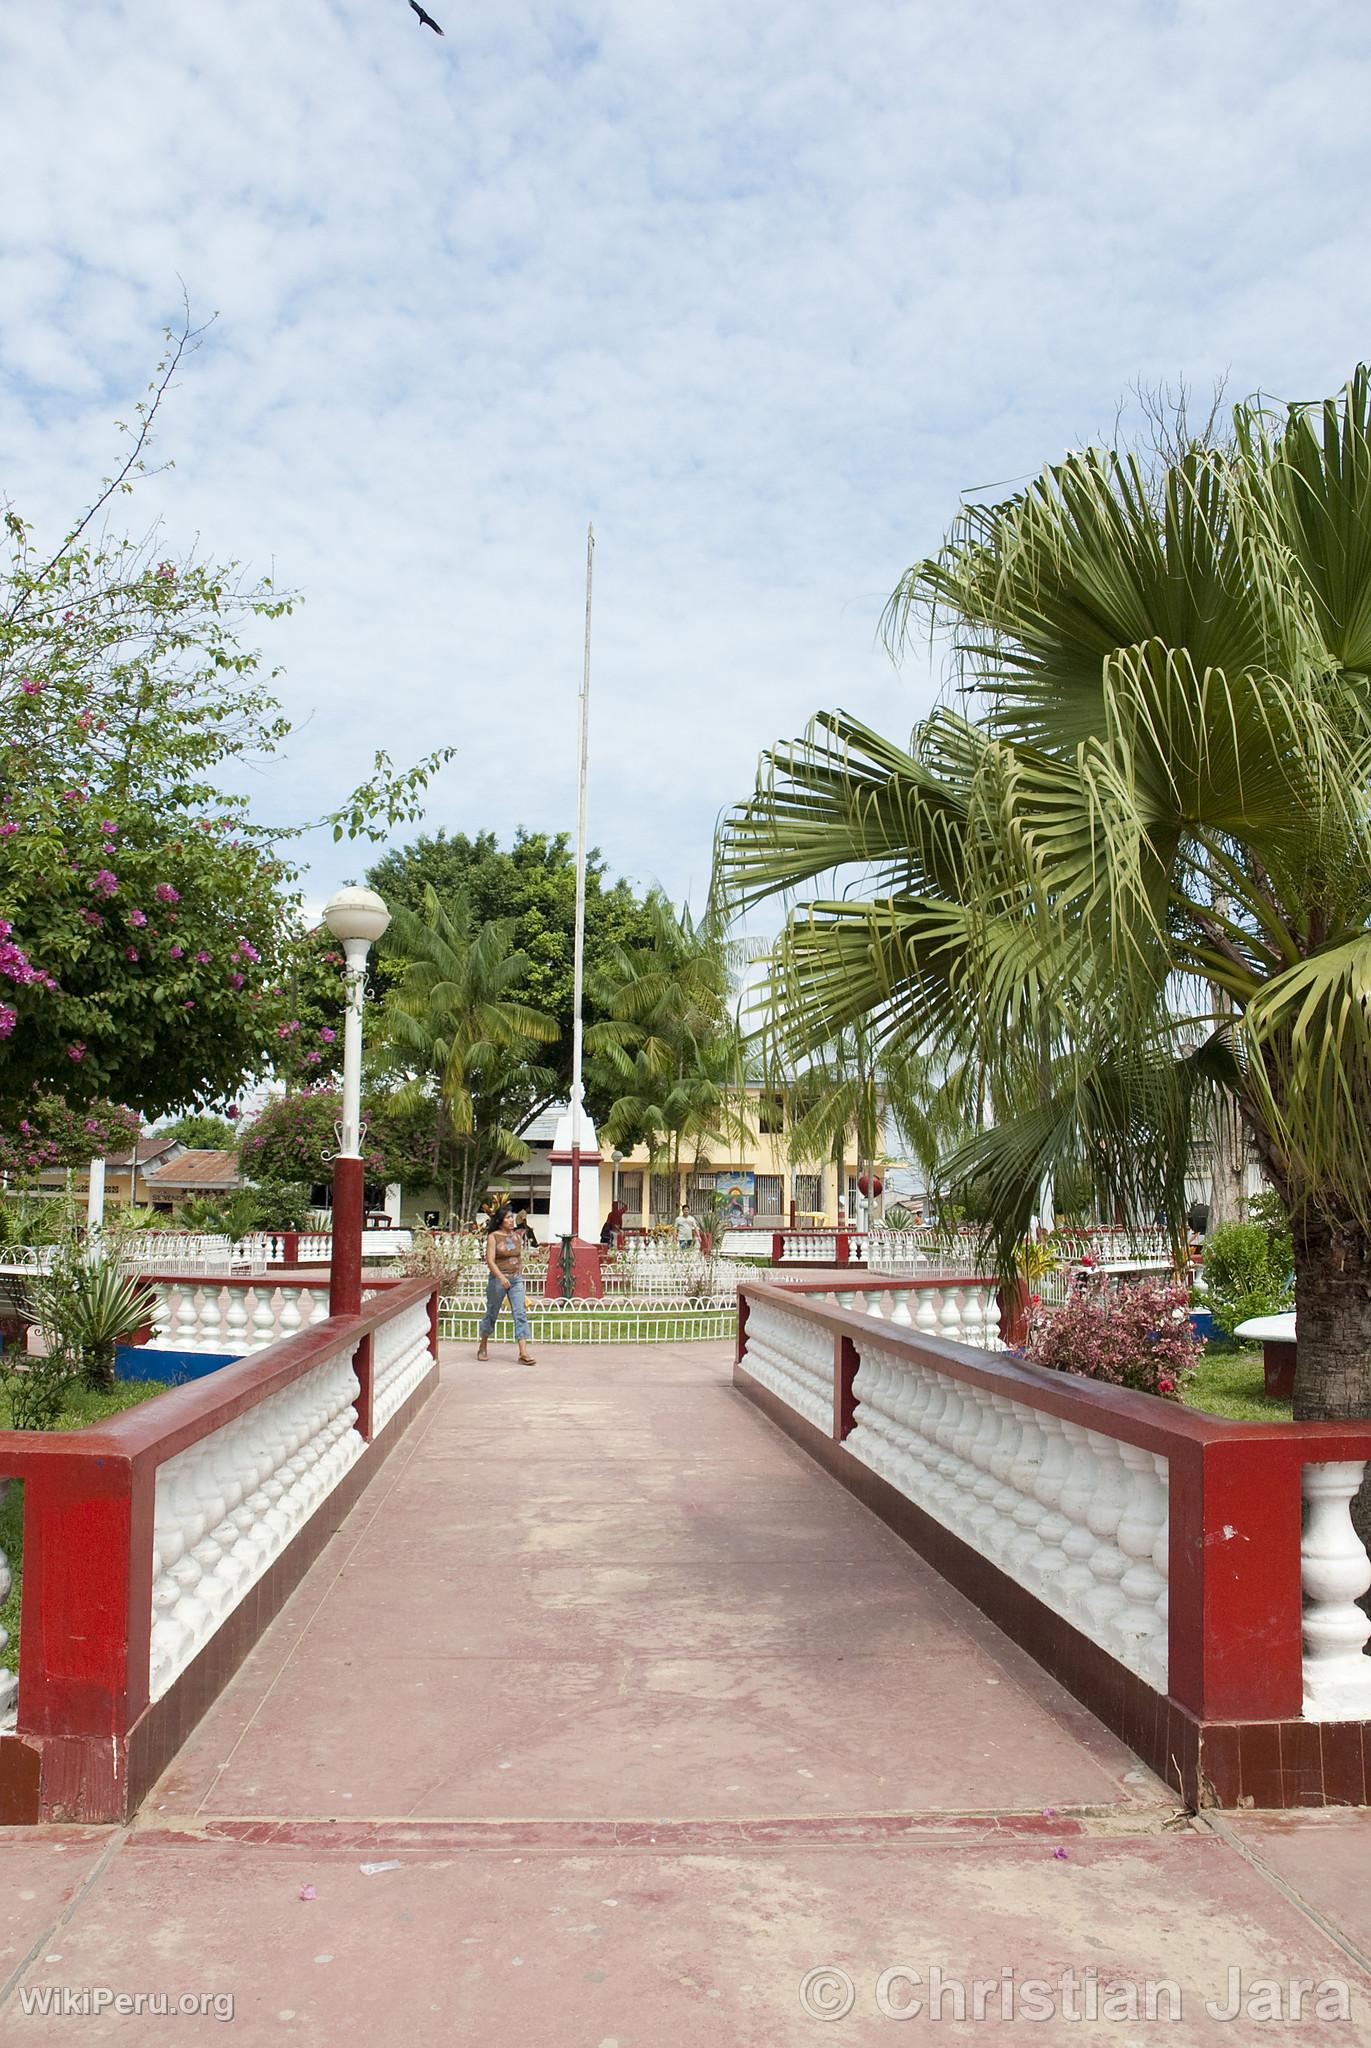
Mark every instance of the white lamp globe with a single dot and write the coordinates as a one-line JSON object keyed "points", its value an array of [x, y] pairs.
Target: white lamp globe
{"points": [[356, 914]]}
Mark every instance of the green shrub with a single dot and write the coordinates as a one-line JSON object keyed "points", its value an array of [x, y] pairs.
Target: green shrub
{"points": [[1249, 1270]]}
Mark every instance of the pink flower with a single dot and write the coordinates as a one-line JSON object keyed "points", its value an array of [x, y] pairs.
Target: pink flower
{"points": [[312, 1059], [8, 827], [9, 1017], [177, 951], [203, 957], [235, 981], [92, 917], [103, 883], [166, 894], [30, 688], [138, 917], [189, 1003], [130, 952], [233, 1112], [328, 1035], [76, 1052], [108, 827], [248, 952]]}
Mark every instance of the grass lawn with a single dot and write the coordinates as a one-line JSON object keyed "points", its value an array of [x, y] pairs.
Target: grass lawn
{"points": [[1230, 1383], [82, 1405]]}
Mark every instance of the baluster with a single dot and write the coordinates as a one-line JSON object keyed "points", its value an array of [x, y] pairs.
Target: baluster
{"points": [[317, 1298], [1108, 1564], [236, 1321], [187, 1316], [9, 1684], [1049, 1559], [926, 1313], [899, 1311], [289, 1319], [873, 1305], [1156, 1664], [1334, 1572], [211, 1317], [1027, 1511], [263, 1317], [1000, 1532], [950, 1315], [1077, 1580], [973, 1322], [1144, 1512]]}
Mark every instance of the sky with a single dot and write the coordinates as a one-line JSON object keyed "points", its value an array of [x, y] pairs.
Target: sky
{"points": [[761, 290]]}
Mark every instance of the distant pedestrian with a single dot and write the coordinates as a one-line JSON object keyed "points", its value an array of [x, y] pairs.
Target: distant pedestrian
{"points": [[613, 1224], [505, 1268], [687, 1229]]}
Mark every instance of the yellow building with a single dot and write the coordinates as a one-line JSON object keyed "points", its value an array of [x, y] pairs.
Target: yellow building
{"points": [[757, 1176]]}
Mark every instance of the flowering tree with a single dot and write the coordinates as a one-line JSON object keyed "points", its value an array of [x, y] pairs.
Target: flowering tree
{"points": [[295, 1138], [48, 1132], [148, 927], [1136, 1336]]}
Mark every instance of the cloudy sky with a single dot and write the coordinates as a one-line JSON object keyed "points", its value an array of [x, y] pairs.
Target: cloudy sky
{"points": [[760, 289]]}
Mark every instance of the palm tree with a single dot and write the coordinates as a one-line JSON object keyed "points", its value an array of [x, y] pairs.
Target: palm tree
{"points": [[1148, 827], [463, 1041], [667, 1051]]}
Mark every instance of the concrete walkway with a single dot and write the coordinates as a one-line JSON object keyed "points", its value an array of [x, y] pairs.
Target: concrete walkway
{"points": [[645, 1722]]}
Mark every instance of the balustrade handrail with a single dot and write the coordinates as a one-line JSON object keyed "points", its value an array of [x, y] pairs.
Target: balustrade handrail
{"points": [[1137, 1418], [155, 1430], [1240, 1603], [146, 1533]]}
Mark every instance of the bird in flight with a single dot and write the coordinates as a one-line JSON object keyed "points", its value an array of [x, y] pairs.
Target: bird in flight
{"points": [[426, 19]]}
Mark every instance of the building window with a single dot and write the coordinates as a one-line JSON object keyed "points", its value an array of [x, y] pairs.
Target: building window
{"points": [[631, 1195], [771, 1115], [770, 1197], [809, 1194], [665, 1200]]}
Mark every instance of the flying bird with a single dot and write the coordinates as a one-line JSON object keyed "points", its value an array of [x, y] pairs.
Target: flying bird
{"points": [[426, 19]]}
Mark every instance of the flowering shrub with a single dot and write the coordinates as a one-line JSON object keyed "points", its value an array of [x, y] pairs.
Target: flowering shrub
{"points": [[51, 1133], [1136, 1336]]}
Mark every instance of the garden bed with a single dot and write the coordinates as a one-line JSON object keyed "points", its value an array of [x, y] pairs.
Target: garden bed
{"points": [[81, 1406]]}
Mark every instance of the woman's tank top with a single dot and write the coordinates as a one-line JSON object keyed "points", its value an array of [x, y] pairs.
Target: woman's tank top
{"points": [[509, 1254]]}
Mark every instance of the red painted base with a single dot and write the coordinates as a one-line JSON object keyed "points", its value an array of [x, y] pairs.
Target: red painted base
{"points": [[587, 1276]]}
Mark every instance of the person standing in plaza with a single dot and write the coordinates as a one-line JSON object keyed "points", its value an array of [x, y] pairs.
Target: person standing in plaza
{"points": [[687, 1229], [505, 1282]]}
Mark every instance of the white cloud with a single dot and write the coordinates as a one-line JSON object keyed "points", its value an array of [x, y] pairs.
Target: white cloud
{"points": [[759, 290]]}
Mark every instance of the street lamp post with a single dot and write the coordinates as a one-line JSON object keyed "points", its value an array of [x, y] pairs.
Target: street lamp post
{"points": [[357, 918]]}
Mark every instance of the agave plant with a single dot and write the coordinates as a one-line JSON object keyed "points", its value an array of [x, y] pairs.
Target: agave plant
{"points": [[86, 1310]]}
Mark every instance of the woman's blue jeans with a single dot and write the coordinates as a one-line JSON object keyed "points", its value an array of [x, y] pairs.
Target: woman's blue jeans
{"points": [[495, 1300]]}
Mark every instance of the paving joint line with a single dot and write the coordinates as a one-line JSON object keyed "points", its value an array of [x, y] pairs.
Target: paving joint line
{"points": [[78, 1898], [1208, 1818]]}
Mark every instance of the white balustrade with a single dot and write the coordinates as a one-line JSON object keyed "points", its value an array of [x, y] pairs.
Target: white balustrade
{"points": [[207, 1315], [227, 1506], [1076, 1517], [792, 1355], [967, 1313], [400, 1360], [9, 1684], [1335, 1573]]}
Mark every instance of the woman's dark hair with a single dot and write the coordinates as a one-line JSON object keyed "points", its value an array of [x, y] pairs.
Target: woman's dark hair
{"points": [[497, 1217]]}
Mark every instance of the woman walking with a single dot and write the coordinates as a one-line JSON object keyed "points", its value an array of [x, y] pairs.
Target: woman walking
{"points": [[504, 1265]]}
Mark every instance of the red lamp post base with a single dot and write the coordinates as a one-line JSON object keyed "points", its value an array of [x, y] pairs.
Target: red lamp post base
{"points": [[345, 1265]]}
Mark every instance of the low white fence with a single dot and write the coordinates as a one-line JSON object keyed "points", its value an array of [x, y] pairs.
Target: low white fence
{"points": [[613, 1320], [197, 1315]]}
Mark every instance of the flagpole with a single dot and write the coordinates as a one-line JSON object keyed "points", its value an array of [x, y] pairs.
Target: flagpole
{"points": [[578, 971]]}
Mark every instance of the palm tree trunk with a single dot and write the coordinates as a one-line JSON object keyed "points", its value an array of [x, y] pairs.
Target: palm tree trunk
{"points": [[1228, 1174], [1333, 1301]]}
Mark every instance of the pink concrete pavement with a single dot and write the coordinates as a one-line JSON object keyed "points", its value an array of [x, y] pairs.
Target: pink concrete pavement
{"points": [[646, 1719]]}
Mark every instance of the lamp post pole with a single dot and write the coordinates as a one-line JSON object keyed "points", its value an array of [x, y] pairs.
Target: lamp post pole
{"points": [[356, 917]]}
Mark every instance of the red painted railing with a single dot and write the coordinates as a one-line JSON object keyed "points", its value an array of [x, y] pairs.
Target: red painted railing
{"points": [[89, 1737], [1234, 1624]]}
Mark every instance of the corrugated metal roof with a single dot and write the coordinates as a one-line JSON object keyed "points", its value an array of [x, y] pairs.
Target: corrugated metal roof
{"points": [[196, 1170]]}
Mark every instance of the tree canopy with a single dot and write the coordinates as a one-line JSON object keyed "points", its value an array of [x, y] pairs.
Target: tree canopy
{"points": [[1136, 866], [148, 925]]}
